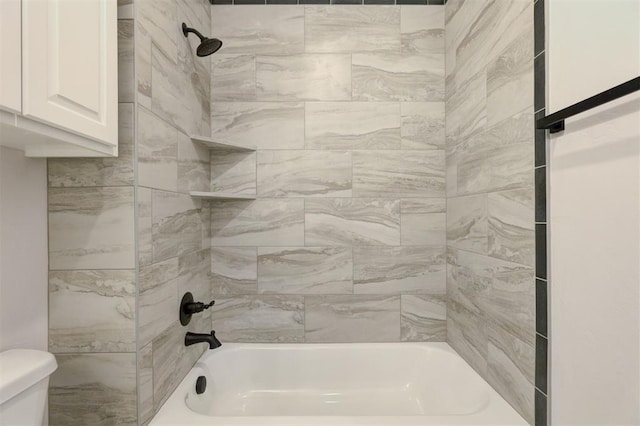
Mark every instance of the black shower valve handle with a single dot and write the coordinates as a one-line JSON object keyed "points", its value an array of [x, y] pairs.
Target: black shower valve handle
{"points": [[196, 307]]}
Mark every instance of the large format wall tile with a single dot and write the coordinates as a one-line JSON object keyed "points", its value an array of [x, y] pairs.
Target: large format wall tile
{"points": [[422, 29], [234, 270], [93, 389], [310, 77], [422, 125], [263, 125], [92, 311], [177, 225], [423, 222], [352, 125], [393, 270], [304, 174], [233, 78], [466, 108], [158, 287], [370, 318], [194, 171], [467, 334], [194, 276], [467, 223], [355, 221], [305, 270], [397, 77], [145, 384], [333, 29], [144, 226], [249, 29], [126, 74], [91, 228], [258, 223], [233, 172], [157, 152], [424, 318], [99, 171], [511, 226], [394, 174], [264, 318]]}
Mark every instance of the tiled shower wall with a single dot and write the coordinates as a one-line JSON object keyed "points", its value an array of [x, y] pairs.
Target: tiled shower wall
{"points": [[345, 241], [173, 229], [490, 207]]}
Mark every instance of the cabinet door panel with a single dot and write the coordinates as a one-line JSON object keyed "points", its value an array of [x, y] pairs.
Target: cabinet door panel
{"points": [[10, 56], [70, 65]]}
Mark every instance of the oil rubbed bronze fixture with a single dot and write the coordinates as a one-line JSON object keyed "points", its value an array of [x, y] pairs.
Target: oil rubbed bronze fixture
{"points": [[207, 45]]}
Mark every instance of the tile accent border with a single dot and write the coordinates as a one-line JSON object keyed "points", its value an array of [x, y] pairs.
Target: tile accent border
{"points": [[541, 206]]}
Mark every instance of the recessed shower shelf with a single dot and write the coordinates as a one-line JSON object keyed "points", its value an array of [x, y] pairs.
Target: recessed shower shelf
{"points": [[220, 196], [219, 146]]}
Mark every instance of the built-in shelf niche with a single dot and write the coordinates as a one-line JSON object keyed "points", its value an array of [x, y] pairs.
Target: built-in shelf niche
{"points": [[219, 146], [220, 196]]}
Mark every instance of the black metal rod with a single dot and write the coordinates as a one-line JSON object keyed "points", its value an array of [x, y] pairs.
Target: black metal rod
{"points": [[555, 121]]}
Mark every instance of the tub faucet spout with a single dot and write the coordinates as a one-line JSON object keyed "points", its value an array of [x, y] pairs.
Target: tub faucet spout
{"points": [[211, 339]]}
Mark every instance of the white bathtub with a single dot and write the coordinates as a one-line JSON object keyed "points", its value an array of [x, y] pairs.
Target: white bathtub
{"points": [[335, 384]]}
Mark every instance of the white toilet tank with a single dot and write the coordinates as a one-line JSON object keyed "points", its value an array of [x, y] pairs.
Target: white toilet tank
{"points": [[24, 380]]}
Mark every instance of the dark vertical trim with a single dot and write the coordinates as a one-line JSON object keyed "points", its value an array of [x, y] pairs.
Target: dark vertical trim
{"points": [[541, 205]]}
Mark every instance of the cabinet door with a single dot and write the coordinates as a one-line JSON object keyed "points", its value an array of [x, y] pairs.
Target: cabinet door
{"points": [[10, 56], [70, 65]]}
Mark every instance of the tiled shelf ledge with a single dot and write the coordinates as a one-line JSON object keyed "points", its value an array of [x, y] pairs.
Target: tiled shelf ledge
{"points": [[219, 146], [220, 196]]}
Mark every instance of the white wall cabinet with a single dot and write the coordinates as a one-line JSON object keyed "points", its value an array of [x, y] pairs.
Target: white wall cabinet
{"points": [[68, 59]]}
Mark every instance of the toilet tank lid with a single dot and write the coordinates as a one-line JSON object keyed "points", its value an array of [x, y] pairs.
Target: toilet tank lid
{"points": [[22, 368]]}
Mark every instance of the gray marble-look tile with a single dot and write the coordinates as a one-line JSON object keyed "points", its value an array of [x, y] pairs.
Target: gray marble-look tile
{"points": [[276, 29], [125, 9], [423, 318], [159, 20], [299, 173], [126, 75], [335, 29], [394, 270], [118, 171], [158, 296], [145, 384], [397, 174], [194, 172], [503, 291], [422, 125], [264, 125], [172, 360], [511, 226], [144, 226], [398, 77], [278, 222], [467, 223], [233, 78], [178, 226], [234, 270], [233, 172], [194, 276], [510, 370], [467, 334], [352, 318], [305, 270], [510, 80], [93, 389], [352, 125], [264, 318], [157, 152], [92, 311], [422, 29], [142, 53], [91, 228], [466, 107], [180, 99], [309, 77], [354, 221], [426, 229], [423, 206]]}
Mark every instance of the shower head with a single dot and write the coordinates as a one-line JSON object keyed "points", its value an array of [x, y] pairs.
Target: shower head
{"points": [[207, 45]]}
